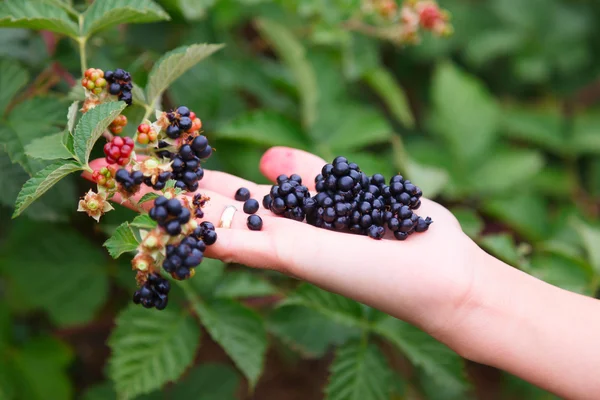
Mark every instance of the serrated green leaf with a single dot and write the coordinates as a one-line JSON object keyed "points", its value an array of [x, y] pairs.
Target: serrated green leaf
{"points": [[41, 182], [91, 126], [148, 197], [307, 331], [542, 128], [106, 13], [334, 306], [466, 115], [72, 116], [347, 127], [359, 372], [502, 245], [436, 360], [567, 272], [122, 241], [384, 84], [211, 271], [590, 237], [470, 222], [240, 331], [525, 213], [41, 368], [52, 276], [36, 14], [208, 382], [143, 221], [12, 79], [150, 348], [174, 64], [432, 180], [138, 95], [106, 391], [48, 148], [244, 284], [291, 51], [265, 128]]}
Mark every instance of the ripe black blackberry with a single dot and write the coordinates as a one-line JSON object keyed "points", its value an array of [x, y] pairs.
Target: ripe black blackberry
{"points": [[186, 163], [180, 122], [250, 206], [153, 293], [254, 223], [170, 214], [161, 180], [119, 84], [129, 181], [206, 232], [288, 197], [242, 194], [184, 257]]}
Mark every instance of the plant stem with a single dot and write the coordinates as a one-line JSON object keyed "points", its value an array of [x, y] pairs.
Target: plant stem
{"points": [[82, 40]]}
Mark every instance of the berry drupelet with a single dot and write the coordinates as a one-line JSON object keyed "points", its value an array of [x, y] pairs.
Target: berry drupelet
{"points": [[119, 84], [254, 223], [129, 181], [180, 121], [153, 293], [161, 180], [288, 197], [206, 232], [118, 150], [250, 206], [186, 163], [242, 194], [184, 257], [170, 214]]}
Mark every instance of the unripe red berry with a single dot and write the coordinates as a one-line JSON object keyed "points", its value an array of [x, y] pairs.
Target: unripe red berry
{"points": [[143, 138], [192, 115], [95, 175], [90, 85], [101, 180], [152, 136], [110, 183], [144, 128], [89, 72]]}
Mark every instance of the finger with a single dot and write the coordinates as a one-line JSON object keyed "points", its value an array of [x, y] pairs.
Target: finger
{"points": [[285, 160], [227, 184]]}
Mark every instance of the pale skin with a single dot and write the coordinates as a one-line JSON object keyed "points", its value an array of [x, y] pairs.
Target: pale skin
{"points": [[440, 281]]}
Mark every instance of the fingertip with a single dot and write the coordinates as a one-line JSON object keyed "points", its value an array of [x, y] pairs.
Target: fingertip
{"points": [[286, 160]]}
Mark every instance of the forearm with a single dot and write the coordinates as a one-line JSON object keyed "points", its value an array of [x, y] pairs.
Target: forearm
{"points": [[543, 334]]}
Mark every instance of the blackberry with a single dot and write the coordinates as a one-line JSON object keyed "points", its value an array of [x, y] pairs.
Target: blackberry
{"points": [[254, 223], [180, 122], [199, 201], [153, 293], [242, 194], [170, 214], [288, 197], [184, 257], [129, 181], [161, 180], [186, 163], [119, 84], [206, 232], [251, 206]]}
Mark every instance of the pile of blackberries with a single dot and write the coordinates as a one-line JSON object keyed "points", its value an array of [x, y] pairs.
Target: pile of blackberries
{"points": [[179, 122], [119, 84], [129, 181], [348, 200], [153, 293], [170, 214], [289, 198], [183, 257]]}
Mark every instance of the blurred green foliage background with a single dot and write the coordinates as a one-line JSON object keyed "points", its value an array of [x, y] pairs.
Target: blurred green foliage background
{"points": [[498, 122]]}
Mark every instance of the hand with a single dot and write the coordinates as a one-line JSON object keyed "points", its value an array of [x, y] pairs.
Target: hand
{"points": [[423, 280]]}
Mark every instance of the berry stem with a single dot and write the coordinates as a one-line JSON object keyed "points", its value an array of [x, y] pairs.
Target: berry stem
{"points": [[82, 40]]}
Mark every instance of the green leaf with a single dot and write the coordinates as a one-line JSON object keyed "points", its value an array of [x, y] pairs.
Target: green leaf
{"points": [[525, 213], [122, 241], [14, 135], [265, 128], [54, 274], [307, 331], [590, 237], [240, 331], [507, 169], [567, 272], [437, 361], [174, 64], [211, 271], [41, 182], [208, 382], [12, 79], [36, 14], [359, 372], [502, 245], [41, 368], [430, 179], [72, 116], [338, 308], [466, 115], [244, 284], [150, 348], [385, 85], [346, 127], [585, 135], [143, 221], [106, 13], [91, 126], [470, 222], [542, 128], [292, 53], [48, 148], [148, 197]]}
